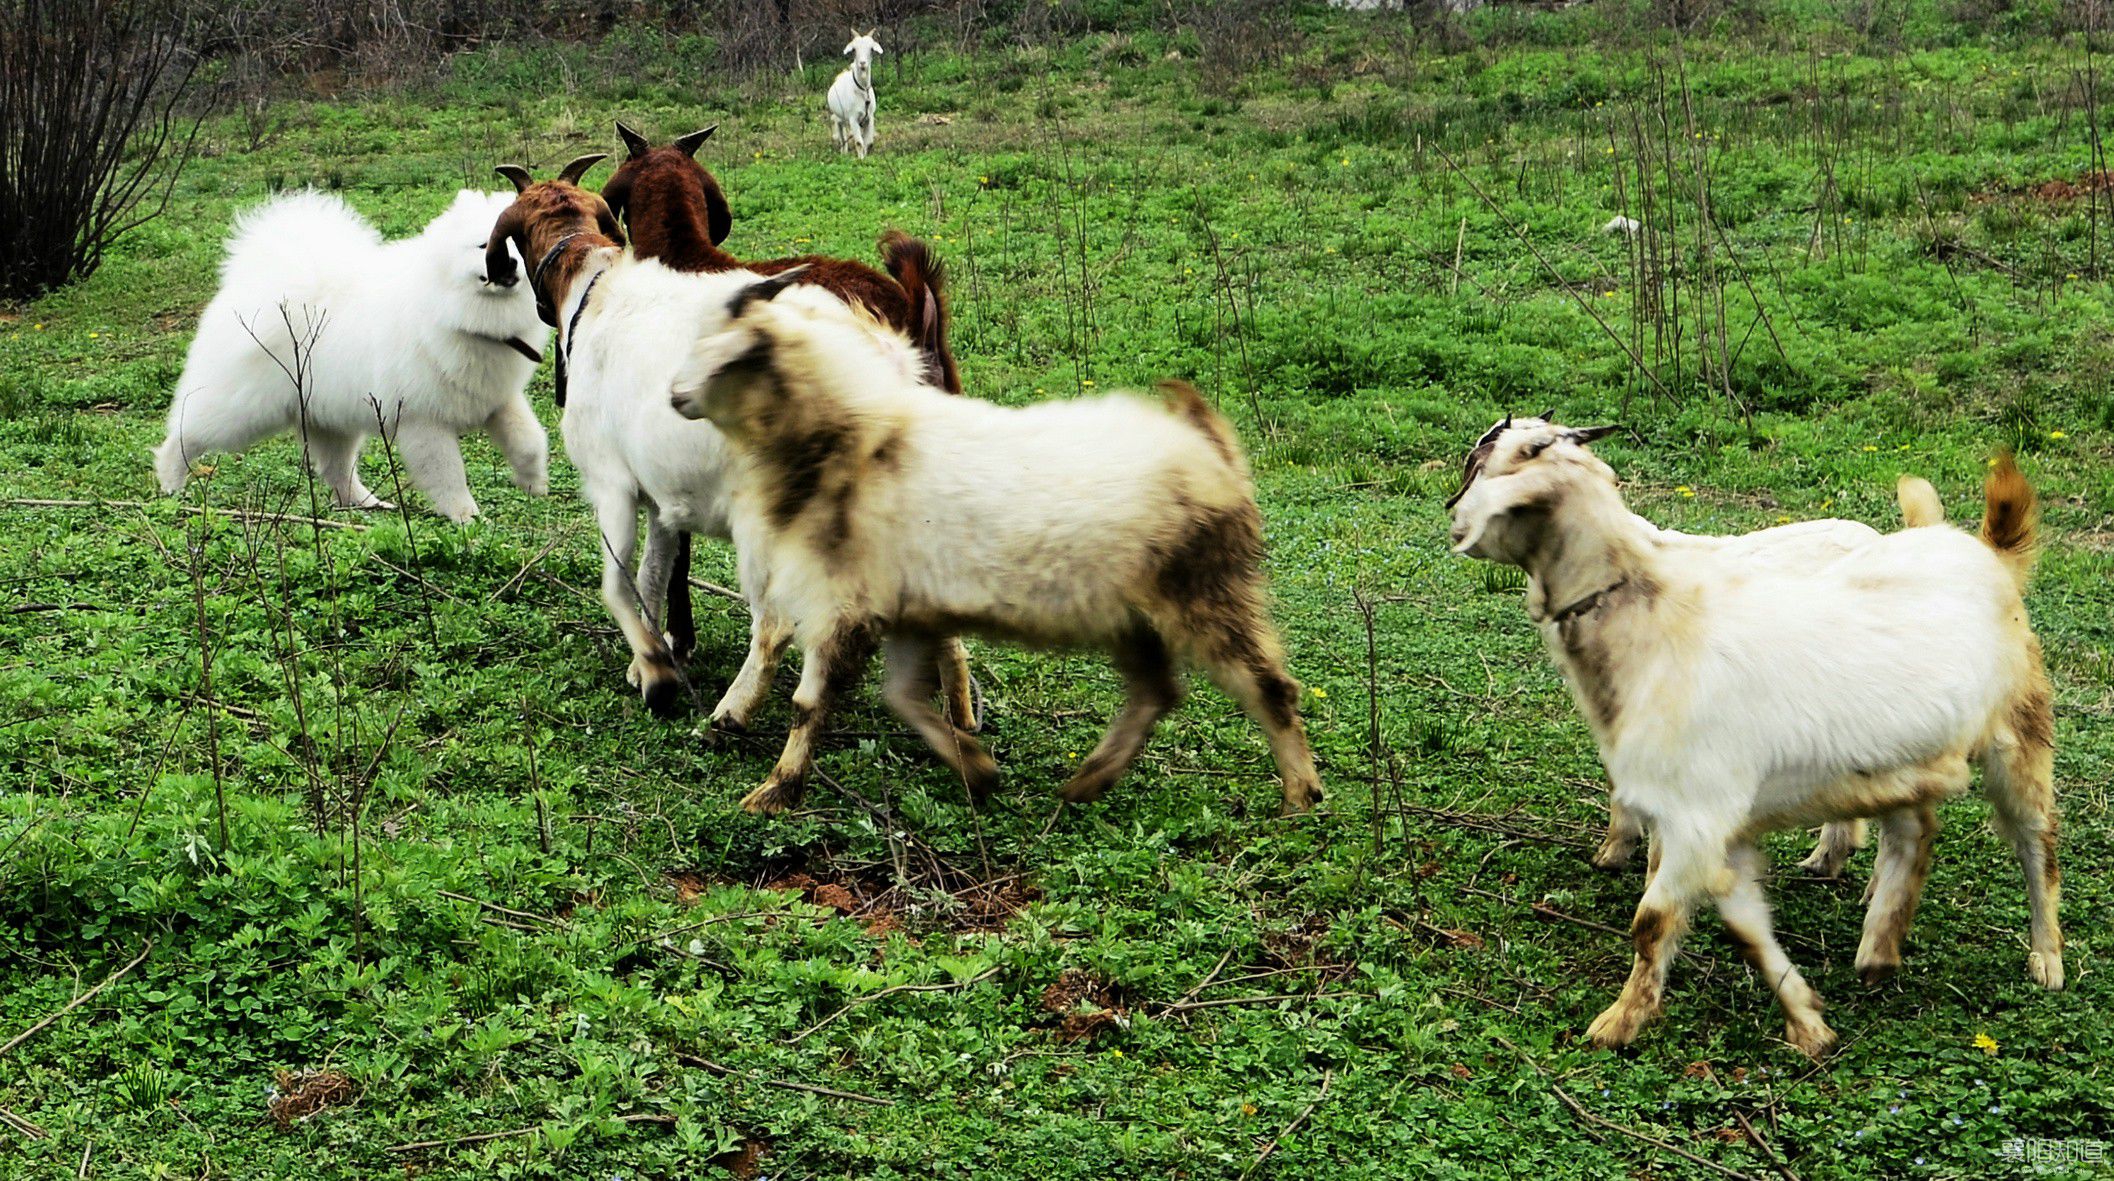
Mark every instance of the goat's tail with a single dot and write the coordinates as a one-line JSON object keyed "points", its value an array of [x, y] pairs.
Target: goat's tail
{"points": [[2010, 518], [918, 271], [1187, 404], [1920, 505]]}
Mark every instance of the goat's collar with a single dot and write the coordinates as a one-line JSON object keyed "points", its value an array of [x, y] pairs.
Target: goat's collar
{"points": [[1585, 606], [544, 264], [866, 86], [560, 371]]}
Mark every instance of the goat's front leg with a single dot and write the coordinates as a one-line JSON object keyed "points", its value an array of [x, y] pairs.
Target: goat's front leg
{"points": [[1898, 874], [769, 633], [653, 668], [1745, 909], [1691, 863], [833, 665], [1621, 839]]}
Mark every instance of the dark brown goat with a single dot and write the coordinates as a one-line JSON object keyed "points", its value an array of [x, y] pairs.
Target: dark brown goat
{"points": [[677, 214]]}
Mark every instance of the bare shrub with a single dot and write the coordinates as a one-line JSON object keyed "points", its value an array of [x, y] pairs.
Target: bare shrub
{"points": [[91, 134]]}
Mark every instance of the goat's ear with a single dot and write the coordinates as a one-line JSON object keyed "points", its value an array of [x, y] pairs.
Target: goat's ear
{"points": [[516, 173], [572, 172], [500, 266], [764, 290], [1548, 416], [688, 144], [606, 221], [1587, 434], [719, 216], [635, 145]]}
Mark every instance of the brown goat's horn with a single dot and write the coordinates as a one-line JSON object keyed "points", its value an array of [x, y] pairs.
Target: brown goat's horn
{"points": [[516, 173], [572, 172], [634, 143], [688, 144]]}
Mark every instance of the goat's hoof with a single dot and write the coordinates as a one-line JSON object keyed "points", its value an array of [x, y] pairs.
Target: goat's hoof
{"points": [[1877, 972], [1083, 788], [775, 796], [729, 725], [663, 696], [2046, 970], [1616, 1026], [1613, 854], [1300, 800], [1825, 862], [1810, 1036]]}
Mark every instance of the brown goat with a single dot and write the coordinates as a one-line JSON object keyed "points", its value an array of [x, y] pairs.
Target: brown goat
{"points": [[678, 215]]}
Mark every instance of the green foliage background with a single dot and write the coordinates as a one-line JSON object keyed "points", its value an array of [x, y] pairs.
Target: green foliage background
{"points": [[418, 724]]}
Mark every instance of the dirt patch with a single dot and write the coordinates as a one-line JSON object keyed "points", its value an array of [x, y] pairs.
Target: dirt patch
{"points": [[298, 1094], [1084, 1004], [742, 1162], [2055, 190]]}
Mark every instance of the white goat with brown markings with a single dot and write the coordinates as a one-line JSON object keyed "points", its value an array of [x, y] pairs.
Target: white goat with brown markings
{"points": [[1107, 523], [1731, 700]]}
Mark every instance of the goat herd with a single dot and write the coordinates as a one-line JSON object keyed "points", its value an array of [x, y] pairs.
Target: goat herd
{"points": [[809, 410]]}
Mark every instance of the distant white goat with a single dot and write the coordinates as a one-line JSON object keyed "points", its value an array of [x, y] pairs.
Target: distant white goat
{"points": [[1730, 700], [851, 105], [886, 511], [404, 337]]}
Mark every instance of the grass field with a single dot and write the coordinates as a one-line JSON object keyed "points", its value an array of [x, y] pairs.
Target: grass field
{"points": [[373, 799]]}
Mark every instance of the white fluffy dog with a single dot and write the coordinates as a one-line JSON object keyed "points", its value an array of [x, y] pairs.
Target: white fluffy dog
{"points": [[323, 327]]}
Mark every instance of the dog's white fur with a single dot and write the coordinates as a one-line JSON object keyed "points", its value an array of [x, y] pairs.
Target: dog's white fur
{"points": [[401, 338], [883, 509], [1731, 699], [851, 98]]}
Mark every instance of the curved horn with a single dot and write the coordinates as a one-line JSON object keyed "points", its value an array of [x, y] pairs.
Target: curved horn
{"points": [[572, 172], [688, 144], [516, 173], [635, 145]]}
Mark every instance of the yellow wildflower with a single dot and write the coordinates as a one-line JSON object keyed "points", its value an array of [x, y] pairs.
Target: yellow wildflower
{"points": [[2057, 435], [1869, 447], [1321, 693], [1685, 490], [1247, 1109], [1986, 1044]]}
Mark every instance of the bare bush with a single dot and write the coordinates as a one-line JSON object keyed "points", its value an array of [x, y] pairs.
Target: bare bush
{"points": [[91, 131]]}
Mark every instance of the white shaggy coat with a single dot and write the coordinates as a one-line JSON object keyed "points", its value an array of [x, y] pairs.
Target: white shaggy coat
{"points": [[1731, 699], [402, 338], [851, 98], [882, 509]]}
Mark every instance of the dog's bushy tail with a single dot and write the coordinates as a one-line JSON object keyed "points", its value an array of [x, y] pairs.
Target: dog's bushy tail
{"points": [[913, 265], [294, 230], [2011, 518]]}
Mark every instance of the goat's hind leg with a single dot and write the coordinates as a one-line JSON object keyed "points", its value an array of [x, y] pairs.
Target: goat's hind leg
{"points": [[1242, 657], [1839, 840], [1150, 690], [913, 674], [2018, 774], [833, 665], [653, 669], [957, 687], [1745, 909]]}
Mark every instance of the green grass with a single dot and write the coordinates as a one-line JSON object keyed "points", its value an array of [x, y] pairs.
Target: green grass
{"points": [[413, 714]]}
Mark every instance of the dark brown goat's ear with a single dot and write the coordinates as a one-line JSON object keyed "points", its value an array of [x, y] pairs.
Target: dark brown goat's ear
{"points": [[1548, 416], [516, 173], [572, 172], [764, 290], [606, 221], [688, 144], [719, 216], [635, 145], [1589, 433]]}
